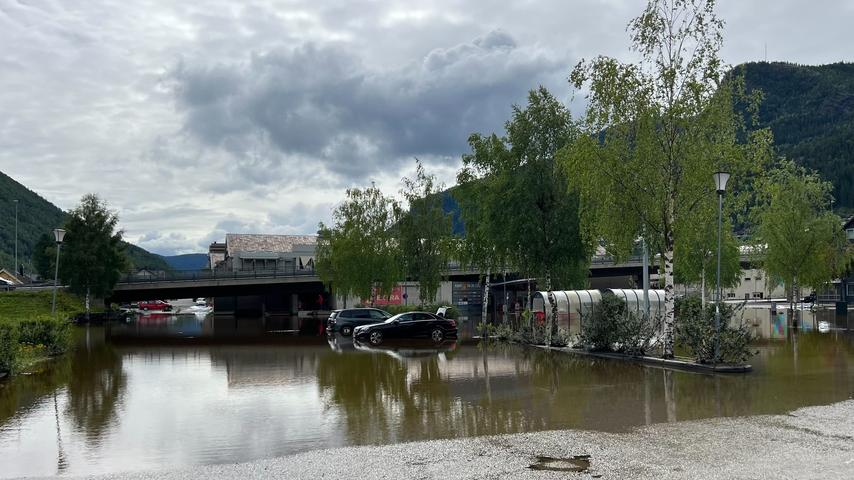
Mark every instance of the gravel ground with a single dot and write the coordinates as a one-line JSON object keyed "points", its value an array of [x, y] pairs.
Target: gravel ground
{"points": [[815, 442]]}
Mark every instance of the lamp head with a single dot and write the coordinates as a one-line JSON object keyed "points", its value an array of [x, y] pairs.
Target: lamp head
{"points": [[721, 179], [59, 234]]}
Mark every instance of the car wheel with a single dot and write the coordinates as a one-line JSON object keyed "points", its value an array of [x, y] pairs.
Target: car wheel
{"points": [[437, 335], [346, 330], [376, 337]]}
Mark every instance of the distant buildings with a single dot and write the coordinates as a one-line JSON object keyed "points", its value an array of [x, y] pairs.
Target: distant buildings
{"points": [[256, 252]]}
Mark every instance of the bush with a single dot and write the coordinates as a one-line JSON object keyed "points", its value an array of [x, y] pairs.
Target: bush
{"points": [[525, 333], [612, 328], [695, 331], [8, 346], [53, 334]]}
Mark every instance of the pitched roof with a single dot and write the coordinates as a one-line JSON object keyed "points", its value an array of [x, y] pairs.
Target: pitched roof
{"points": [[246, 242]]}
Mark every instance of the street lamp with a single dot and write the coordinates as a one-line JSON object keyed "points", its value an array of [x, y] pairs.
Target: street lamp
{"points": [[720, 186], [58, 234]]}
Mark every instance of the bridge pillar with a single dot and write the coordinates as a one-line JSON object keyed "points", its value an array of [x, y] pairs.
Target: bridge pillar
{"points": [[294, 303]]}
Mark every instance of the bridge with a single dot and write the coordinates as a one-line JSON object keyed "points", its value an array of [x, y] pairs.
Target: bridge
{"points": [[287, 290]]}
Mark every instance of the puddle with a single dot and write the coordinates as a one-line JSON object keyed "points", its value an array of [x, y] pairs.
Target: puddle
{"points": [[577, 463]]}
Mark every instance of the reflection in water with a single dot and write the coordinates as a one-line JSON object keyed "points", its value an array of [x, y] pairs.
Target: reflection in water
{"points": [[177, 391]]}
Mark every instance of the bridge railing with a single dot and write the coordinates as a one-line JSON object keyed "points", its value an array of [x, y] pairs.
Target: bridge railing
{"points": [[195, 275]]}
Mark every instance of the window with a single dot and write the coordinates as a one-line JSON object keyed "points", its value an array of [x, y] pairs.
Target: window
{"points": [[850, 289], [850, 233], [730, 295], [423, 316], [406, 317], [378, 315], [746, 279], [360, 314]]}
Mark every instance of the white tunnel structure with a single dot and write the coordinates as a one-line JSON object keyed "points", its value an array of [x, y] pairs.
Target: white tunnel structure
{"points": [[572, 305]]}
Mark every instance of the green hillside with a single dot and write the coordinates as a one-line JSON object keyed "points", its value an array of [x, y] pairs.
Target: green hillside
{"points": [[810, 109], [37, 216]]}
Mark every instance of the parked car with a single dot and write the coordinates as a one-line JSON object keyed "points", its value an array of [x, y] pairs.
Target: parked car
{"points": [[157, 305], [345, 320], [408, 325], [809, 298]]}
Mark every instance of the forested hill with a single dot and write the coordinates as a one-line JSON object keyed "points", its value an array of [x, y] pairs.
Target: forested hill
{"points": [[37, 216], [810, 109]]}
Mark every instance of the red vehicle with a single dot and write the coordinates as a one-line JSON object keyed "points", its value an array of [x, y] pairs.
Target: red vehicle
{"points": [[158, 305]]}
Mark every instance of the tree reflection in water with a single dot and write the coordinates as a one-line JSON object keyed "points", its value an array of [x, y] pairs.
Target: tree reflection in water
{"points": [[96, 389]]}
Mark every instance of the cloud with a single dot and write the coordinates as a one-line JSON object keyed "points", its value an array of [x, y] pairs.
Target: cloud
{"points": [[191, 118], [320, 104]]}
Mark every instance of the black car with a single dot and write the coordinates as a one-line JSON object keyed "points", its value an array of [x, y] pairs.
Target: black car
{"points": [[408, 325], [345, 320]]}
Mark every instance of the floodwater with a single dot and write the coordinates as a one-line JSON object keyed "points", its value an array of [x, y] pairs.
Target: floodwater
{"points": [[174, 391]]}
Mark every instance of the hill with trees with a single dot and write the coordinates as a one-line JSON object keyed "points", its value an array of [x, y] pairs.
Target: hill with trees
{"points": [[810, 110], [38, 217]]}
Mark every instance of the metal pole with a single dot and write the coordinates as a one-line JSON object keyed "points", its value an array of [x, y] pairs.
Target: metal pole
{"points": [[645, 280], [16, 240], [55, 279], [718, 281]]}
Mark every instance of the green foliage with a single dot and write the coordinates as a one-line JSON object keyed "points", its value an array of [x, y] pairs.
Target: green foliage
{"points": [[358, 254], [612, 328], [654, 133], [810, 110], [528, 334], [53, 334], [424, 233], [139, 258], [22, 304], [38, 217], [695, 331], [92, 256], [9, 346], [801, 239], [515, 200], [44, 257]]}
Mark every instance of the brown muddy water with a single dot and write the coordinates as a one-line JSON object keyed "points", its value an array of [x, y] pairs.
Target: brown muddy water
{"points": [[180, 390]]}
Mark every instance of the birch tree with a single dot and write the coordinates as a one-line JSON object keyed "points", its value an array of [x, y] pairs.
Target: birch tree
{"points": [[358, 253], [656, 130], [424, 233], [801, 241]]}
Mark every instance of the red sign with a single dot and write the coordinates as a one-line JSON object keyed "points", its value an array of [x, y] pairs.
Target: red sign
{"points": [[396, 297]]}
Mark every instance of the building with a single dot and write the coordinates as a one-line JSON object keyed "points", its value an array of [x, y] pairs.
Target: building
{"points": [[244, 252], [8, 278]]}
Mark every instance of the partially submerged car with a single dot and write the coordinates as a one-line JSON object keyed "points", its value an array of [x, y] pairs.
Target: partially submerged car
{"points": [[345, 320]]}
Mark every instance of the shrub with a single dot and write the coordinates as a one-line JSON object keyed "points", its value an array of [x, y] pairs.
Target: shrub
{"points": [[53, 334], [612, 328], [695, 331], [8, 346], [527, 334]]}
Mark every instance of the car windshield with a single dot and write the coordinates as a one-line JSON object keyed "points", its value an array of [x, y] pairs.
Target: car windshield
{"points": [[399, 316]]}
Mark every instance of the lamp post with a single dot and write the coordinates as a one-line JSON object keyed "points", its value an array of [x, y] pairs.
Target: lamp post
{"points": [[58, 234], [721, 179], [16, 239]]}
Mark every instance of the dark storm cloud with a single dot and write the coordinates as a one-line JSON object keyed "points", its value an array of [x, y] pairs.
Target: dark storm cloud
{"points": [[321, 103]]}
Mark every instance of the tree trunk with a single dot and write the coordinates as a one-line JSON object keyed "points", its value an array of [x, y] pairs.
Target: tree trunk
{"points": [[485, 306], [703, 288], [87, 304], [669, 304]]}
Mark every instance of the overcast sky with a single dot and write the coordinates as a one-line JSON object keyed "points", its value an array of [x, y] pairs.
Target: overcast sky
{"points": [[193, 119]]}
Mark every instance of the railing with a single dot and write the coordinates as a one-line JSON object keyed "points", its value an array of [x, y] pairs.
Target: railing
{"points": [[196, 275]]}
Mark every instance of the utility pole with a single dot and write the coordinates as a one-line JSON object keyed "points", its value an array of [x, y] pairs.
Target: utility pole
{"points": [[15, 270]]}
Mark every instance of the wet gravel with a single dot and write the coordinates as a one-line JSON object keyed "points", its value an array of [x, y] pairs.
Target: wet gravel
{"points": [[814, 442]]}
